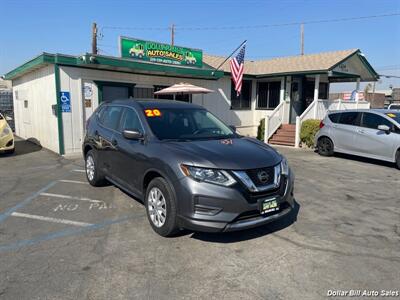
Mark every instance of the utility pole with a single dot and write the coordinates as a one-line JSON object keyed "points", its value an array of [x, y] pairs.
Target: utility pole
{"points": [[94, 38], [302, 39], [172, 34]]}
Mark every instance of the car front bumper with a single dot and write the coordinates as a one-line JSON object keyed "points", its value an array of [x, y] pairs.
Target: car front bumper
{"points": [[7, 143], [212, 208]]}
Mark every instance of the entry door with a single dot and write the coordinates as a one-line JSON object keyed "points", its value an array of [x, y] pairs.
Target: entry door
{"points": [[297, 105]]}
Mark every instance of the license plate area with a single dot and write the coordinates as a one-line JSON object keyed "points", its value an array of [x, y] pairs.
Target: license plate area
{"points": [[268, 205]]}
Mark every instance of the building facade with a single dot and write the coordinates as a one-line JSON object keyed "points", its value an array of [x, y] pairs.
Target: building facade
{"points": [[55, 94]]}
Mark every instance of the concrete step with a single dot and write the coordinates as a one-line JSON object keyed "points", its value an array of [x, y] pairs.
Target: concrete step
{"points": [[281, 132], [282, 139], [281, 143]]}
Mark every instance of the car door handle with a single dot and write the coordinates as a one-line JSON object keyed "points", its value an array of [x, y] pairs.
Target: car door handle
{"points": [[360, 131]]}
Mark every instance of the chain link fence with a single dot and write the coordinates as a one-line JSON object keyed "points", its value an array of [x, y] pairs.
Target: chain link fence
{"points": [[7, 107]]}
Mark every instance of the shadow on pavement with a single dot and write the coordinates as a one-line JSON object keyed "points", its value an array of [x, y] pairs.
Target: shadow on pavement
{"points": [[23, 147], [239, 236]]}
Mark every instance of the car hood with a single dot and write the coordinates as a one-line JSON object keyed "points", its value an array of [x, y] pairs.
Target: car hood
{"points": [[233, 154]]}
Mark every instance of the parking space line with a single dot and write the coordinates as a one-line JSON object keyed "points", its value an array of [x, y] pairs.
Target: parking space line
{"points": [[73, 181], [78, 170], [49, 219], [70, 197], [26, 201]]}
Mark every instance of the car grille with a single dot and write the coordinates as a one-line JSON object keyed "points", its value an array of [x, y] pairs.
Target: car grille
{"points": [[254, 176]]}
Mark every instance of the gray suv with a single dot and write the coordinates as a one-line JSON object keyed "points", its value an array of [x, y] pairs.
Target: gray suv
{"points": [[189, 168], [369, 133]]}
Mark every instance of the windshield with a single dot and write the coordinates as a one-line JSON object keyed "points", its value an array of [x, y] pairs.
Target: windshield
{"points": [[186, 124], [395, 116]]}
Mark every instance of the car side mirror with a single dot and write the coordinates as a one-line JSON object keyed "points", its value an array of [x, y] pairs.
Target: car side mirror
{"points": [[132, 134], [232, 127], [384, 128]]}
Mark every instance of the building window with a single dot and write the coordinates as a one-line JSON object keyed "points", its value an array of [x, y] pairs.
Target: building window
{"points": [[268, 94], [244, 99], [166, 97], [143, 93]]}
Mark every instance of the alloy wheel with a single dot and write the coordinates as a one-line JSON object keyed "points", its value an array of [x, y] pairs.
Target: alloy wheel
{"points": [[157, 207], [90, 168]]}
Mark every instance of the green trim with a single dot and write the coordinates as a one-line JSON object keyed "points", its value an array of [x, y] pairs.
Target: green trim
{"points": [[101, 84], [59, 111], [312, 72], [346, 75]]}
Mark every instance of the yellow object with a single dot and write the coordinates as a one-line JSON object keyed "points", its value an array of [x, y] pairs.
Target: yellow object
{"points": [[6, 136]]}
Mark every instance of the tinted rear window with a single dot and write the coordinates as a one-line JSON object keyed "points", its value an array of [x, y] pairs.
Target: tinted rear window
{"points": [[334, 117], [350, 118]]}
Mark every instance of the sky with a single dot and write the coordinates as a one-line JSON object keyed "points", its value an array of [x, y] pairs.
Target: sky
{"points": [[58, 26]]}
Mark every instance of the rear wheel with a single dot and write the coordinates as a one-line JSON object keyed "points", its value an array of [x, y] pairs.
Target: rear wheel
{"points": [[161, 207], [325, 146], [93, 173]]}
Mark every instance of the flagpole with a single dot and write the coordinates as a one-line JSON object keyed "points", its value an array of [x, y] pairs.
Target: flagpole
{"points": [[213, 72]]}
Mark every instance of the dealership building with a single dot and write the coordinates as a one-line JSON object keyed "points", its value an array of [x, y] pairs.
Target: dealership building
{"points": [[54, 94]]}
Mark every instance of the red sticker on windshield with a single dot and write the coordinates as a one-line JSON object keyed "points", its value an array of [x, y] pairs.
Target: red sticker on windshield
{"points": [[152, 113]]}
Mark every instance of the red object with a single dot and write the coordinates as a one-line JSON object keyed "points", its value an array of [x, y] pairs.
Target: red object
{"points": [[237, 69], [321, 124]]}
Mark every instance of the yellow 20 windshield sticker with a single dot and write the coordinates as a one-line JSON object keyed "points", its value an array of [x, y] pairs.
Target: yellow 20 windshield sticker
{"points": [[152, 113], [391, 115]]}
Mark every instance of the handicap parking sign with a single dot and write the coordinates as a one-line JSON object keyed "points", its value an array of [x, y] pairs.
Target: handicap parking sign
{"points": [[65, 102]]}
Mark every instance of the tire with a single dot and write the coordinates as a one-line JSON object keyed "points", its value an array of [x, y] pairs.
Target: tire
{"points": [[11, 151], [93, 174], [162, 214], [325, 146], [398, 159]]}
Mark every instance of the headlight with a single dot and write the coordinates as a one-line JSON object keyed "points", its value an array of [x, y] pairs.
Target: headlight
{"points": [[6, 131], [284, 167], [219, 177]]}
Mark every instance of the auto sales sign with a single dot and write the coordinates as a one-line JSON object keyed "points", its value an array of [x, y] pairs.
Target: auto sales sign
{"points": [[160, 53]]}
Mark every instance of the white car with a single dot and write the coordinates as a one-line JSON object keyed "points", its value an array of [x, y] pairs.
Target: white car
{"points": [[372, 133]]}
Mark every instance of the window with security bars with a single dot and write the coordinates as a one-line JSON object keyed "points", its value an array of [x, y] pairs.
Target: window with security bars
{"points": [[143, 93], [243, 101], [268, 94]]}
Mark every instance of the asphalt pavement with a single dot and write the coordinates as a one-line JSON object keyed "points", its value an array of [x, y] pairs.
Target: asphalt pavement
{"points": [[60, 238]]}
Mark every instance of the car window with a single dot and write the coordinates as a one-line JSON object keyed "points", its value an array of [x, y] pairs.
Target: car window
{"points": [[350, 118], [131, 120], [111, 116], [334, 117], [371, 120]]}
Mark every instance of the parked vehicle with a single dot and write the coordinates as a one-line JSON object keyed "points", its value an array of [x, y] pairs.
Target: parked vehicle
{"points": [[394, 106], [369, 133], [189, 168], [6, 136]]}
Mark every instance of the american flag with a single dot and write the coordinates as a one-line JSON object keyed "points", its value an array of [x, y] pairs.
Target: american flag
{"points": [[237, 67]]}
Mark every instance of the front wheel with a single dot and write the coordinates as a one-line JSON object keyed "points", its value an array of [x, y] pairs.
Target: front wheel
{"points": [[161, 207], [398, 159], [325, 146], [93, 174]]}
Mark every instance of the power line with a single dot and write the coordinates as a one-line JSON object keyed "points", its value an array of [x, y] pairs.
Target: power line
{"points": [[289, 24], [246, 27]]}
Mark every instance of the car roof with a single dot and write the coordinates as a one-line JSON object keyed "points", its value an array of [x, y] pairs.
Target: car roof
{"points": [[149, 103]]}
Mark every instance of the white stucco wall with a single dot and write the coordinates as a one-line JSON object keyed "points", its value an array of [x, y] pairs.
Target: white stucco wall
{"points": [[37, 120]]}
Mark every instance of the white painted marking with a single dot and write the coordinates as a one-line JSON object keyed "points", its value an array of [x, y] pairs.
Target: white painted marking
{"points": [[70, 197], [49, 219], [73, 181], [78, 170]]}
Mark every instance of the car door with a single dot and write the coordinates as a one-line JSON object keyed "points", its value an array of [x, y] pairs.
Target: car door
{"points": [[345, 130], [372, 142], [129, 160], [108, 124]]}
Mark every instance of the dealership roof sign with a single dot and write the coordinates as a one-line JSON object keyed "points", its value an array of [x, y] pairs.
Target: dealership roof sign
{"points": [[160, 53]]}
